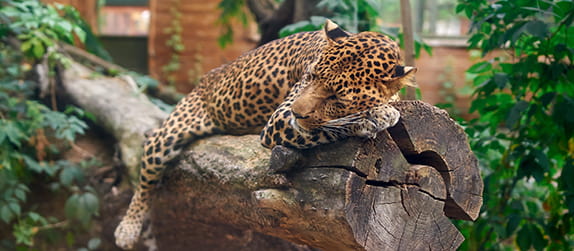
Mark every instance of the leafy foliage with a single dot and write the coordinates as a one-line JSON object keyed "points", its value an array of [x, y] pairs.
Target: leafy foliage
{"points": [[524, 137], [32, 135], [36, 37], [354, 16]]}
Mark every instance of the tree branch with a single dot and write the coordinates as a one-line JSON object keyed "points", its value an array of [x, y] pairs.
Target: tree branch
{"points": [[117, 106]]}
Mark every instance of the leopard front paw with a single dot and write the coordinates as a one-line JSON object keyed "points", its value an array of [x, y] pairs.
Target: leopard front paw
{"points": [[127, 233], [384, 116], [378, 119]]}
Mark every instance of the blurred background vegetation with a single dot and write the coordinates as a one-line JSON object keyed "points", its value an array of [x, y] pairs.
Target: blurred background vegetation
{"points": [[502, 68]]}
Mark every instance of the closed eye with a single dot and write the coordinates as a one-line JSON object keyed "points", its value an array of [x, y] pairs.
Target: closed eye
{"points": [[299, 116], [340, 99]]}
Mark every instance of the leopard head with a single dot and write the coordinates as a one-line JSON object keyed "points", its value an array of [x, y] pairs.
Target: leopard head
{"points": [[355, 72]]}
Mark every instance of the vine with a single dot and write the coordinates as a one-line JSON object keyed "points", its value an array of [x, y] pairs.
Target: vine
{"points": [[196, 70], [174, 43]]}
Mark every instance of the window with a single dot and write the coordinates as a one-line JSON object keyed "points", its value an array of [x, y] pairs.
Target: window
{"points": [[125, 18]]}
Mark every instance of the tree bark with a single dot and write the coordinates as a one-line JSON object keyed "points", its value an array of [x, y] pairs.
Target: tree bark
{"points": [[396, 192]]}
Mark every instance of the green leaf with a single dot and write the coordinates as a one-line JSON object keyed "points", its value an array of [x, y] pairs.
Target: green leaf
{"points": [[523, 238], [537, 28], [513, 222], [515, 113], [82, 207], [63, 29], [72, 207], [91, 202], [38, 50], [65, 25], [12, 132], [468, 12], [480, 67], [514, 33], [11, 11], [35, 217], [459, 8], [69, 174], [6, 214], [538, 240], [479, 80], [15, 208], [541, 159], [39, 168], [485, 87], [26, 45], [500, 79], [81, 34], [20, 194]]}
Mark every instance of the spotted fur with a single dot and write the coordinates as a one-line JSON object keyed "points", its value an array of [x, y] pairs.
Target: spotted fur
{"points": [[304, 90]]}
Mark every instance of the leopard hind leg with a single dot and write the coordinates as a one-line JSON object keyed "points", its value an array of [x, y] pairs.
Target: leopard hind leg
{"points": [[186, 123]]}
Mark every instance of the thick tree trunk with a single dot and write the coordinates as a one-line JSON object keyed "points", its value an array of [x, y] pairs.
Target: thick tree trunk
{"points": [[396, 192]]}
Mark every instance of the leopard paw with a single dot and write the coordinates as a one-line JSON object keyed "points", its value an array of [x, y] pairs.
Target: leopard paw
{"points": [[384, 116], [378, 119], [127, 233]]}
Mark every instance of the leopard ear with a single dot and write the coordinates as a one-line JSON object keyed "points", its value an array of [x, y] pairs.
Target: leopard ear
{"points": [[406, 75], [334, 33]]}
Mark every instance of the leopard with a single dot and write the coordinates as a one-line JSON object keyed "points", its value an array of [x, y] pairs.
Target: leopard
{"points": [[300, 91]]}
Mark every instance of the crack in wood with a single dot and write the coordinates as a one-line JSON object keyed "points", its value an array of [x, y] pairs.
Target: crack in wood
{"points": [[348, 168], [404, 206], [384, 184], [390, 183], [431, 195]]}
